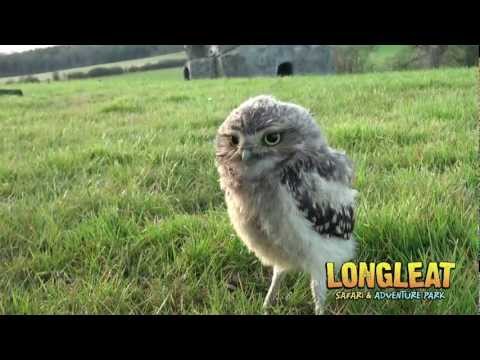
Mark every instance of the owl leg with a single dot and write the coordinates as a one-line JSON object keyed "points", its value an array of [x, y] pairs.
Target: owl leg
{"points": [[319, 292], [278, 275]]}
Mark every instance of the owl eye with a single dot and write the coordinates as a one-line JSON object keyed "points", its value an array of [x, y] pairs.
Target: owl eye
{"points": [[234, 140], [272, 139]]}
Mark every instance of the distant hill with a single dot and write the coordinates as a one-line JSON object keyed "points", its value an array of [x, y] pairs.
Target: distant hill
{"points": [[73, 56]]}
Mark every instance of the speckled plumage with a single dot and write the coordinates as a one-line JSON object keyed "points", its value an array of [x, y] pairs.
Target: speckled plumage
{"points": [[292, 202]]}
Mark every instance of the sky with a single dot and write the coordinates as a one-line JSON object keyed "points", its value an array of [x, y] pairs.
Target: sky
{"points": [[8, 49]]}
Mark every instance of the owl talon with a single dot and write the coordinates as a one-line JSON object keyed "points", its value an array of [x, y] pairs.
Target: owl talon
{"points": [[319, 310], [267, 310]]}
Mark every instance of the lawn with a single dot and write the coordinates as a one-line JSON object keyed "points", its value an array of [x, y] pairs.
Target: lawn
{"points": [[110, 204]]}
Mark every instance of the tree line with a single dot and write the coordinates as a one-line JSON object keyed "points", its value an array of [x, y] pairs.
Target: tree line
{"points": [[72, 56], [358, 58]]}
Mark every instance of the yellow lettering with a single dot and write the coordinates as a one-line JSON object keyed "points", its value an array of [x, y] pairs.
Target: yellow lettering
{"points": [[413, 275], [398, 283], [446, 266], [352, 280], [433, 276], [366, 275], [384, 280], [331, 283]]}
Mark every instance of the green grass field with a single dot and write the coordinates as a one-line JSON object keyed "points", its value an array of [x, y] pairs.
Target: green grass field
{"points": [[109, 200]]}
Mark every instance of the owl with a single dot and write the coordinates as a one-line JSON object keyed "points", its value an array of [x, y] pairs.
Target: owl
{"points": [[289, 195]]}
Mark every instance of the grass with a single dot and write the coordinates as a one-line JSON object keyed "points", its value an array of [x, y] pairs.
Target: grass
{"points": [[123, 64], [109, 200]]}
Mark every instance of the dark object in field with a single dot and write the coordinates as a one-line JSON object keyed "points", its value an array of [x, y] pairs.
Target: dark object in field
{"points": [[96, 72], [105, 71], [163, 64], [30, 79], [17, 92]]}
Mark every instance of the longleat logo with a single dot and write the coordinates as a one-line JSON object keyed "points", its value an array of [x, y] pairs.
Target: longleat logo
{"points": [[391, 282]]}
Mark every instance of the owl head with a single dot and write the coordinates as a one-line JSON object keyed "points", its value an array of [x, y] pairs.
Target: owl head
{"points": [[261, 135]]}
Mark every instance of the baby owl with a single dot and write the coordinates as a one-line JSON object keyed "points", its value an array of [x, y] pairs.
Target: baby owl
{"points": [[289, 195]]}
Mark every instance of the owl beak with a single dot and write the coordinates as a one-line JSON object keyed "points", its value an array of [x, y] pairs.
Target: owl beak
{"points": [[246, 154]]}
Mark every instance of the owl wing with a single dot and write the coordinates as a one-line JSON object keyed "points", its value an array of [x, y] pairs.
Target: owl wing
{"points": [[342, 166], [306, 179]]}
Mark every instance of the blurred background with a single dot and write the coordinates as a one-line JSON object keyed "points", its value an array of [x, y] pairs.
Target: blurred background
{"points": [[35, 63]]}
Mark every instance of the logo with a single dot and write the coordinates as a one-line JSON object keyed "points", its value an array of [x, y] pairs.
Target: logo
{"points": [[411, 281]]}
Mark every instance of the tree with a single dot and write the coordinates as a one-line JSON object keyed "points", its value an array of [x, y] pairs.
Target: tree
{"points": [[471, 55], [351, 58], [433, 53]]}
